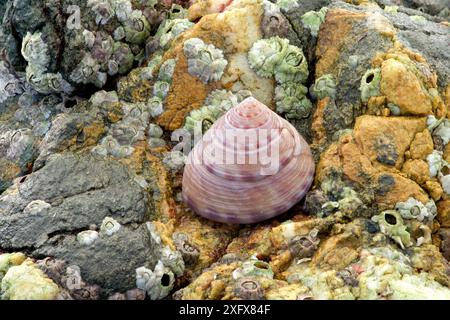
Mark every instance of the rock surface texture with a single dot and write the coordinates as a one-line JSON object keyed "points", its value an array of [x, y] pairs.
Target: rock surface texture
{"points": [[101, 101]]}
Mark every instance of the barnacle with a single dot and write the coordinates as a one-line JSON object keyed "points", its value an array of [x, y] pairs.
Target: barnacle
{"points": [[136, 27], [313, 19], [189, 252], [88, 71], [88, 237], [161, 89], [157, 283], [325, 86], [304, 246], [47, 83], [414, 209], [370, 84], [122, 57], [148, 72], [109, 226], [266, 54], [36, 207], [156, 106], [391, 224], [170, 29], [254, 268], [216, 104], [205, 61], [155, 131], [435, 162], [35, 51], [291, 100], [439, 128], [203, 118], [10, 85], [109, 145], [166, 70], [293, 67], [123, 9], [103, 10], [248, 288], [172, 260]]}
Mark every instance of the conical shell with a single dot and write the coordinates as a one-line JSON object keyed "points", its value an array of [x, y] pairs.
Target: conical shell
{"points": [[251, 165]]}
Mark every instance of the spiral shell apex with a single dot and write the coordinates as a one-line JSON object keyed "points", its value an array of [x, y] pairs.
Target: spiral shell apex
{"points": [[251, 165]]}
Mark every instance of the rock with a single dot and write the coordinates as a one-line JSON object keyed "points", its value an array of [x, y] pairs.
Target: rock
{"points": [[79, 199]]}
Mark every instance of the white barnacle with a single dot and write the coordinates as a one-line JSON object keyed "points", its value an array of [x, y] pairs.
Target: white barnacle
{"points": [[435, 162], [414, 209], [157, 283], [109, 226], [88, 237], [36, 207]]}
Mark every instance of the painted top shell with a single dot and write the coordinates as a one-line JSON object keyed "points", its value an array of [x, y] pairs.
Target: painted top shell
{"points": [[251, 165]]}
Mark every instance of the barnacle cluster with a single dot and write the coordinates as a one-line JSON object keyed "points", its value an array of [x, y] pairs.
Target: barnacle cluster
{"points": [[35, 52], [205, 61], [170, 29], [216, 104], [276, 57], [159, 282], [126, 132], [313, 19]]}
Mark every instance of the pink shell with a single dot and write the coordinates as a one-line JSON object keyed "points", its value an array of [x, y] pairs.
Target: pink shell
{"points": [[248, 190]]}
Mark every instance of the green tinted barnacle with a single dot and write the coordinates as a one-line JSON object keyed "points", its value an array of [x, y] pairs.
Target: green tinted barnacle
{"points": [[266, 54], [291, 100], [293, 67], [166, 70], [313, 19], [325, 86], [391, 224], [136, 27], [370, 84]]}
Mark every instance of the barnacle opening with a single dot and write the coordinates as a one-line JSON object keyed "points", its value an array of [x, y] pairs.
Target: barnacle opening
{"points": [[390, 218], [165, 280]]}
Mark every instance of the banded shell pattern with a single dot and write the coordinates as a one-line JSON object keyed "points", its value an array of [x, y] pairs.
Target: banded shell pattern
{"points": [[251, 165]]}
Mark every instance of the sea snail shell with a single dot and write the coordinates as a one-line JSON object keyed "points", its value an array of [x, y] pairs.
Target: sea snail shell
{"points": [[251, 165]]}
